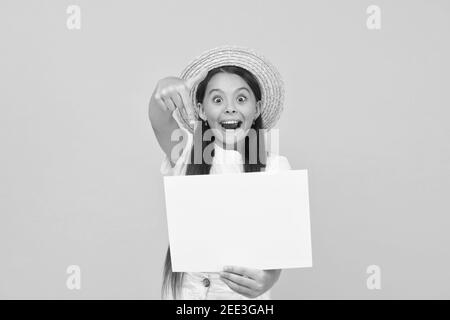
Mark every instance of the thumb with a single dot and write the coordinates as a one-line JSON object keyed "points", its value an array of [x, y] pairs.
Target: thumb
{"points": [[191, 82]]}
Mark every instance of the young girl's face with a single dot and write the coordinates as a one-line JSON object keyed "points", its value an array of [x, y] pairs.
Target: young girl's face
{"points": [[230, 107]]}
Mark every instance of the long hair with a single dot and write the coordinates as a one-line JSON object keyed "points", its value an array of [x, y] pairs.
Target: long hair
{"points": [[174, 280]]}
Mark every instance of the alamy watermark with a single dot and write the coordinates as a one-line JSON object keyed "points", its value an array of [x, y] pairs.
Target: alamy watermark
{"points": [[373, 21], [73, 21], [373, 282], [253, 141], [73, 281]]}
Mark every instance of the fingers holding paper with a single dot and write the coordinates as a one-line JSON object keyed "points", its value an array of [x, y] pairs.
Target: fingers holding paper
{"points": [[249, 282]]}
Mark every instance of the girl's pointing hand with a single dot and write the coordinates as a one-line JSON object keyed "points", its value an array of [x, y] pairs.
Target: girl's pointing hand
{"points": [[249, 282], [171, 93]]}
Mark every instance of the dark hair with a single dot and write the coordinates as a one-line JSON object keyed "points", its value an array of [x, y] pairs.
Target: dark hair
{"points": [[175, 279]]}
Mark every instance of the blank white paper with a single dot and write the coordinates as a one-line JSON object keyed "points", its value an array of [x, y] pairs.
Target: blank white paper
{"points": [[258, 220]]}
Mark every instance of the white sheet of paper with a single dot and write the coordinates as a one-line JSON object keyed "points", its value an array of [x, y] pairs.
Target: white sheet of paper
{"points": [[257, 220]]}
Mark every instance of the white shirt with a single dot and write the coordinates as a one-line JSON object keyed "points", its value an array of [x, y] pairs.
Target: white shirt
{"points": [[195, 285]]}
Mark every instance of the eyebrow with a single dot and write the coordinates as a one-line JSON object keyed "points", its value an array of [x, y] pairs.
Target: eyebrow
{"points": [[241, 88]]}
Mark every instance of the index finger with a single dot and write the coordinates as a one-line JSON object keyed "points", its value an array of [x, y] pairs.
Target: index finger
{"points": [[191, 82], [249, 272]]}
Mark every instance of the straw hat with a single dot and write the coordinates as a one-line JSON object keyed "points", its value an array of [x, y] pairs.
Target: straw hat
{"points": [[269, 79]]}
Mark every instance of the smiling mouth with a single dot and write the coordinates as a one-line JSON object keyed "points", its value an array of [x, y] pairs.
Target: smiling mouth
{"points": [[231, 124]]}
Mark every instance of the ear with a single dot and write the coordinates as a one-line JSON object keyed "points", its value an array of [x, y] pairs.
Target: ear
{"points": [[258, 109], [201, 111]]}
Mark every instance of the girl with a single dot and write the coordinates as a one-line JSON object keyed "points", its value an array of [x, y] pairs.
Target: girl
{"points": [[235, 91]]}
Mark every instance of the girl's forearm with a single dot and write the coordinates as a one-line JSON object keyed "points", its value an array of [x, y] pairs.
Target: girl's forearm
{"points": [[163, 125]]}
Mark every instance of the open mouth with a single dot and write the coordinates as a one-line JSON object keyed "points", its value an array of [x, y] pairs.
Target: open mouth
{"points": [[231, 124]]}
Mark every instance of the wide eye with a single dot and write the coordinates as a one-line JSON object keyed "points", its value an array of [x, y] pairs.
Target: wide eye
{"points": [[242, 99], [217, 99]]}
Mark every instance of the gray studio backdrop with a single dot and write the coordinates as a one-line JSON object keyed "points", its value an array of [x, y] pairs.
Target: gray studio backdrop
{"points": [[366, 113]]}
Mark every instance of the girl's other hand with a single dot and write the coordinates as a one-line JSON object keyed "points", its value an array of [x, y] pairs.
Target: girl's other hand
{"points": [[249, 282]]}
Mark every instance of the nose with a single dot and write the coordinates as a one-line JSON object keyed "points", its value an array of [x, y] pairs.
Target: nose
{"points": [[230, 109]]}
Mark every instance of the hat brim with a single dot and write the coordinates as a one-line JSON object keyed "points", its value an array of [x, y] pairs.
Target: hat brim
{"points": [[269, 79]]}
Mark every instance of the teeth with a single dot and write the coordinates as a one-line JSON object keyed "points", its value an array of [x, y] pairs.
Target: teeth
{"points": [[230, 122]]}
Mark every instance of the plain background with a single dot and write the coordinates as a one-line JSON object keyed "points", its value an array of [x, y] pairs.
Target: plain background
{"points": [[366, 113]]}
